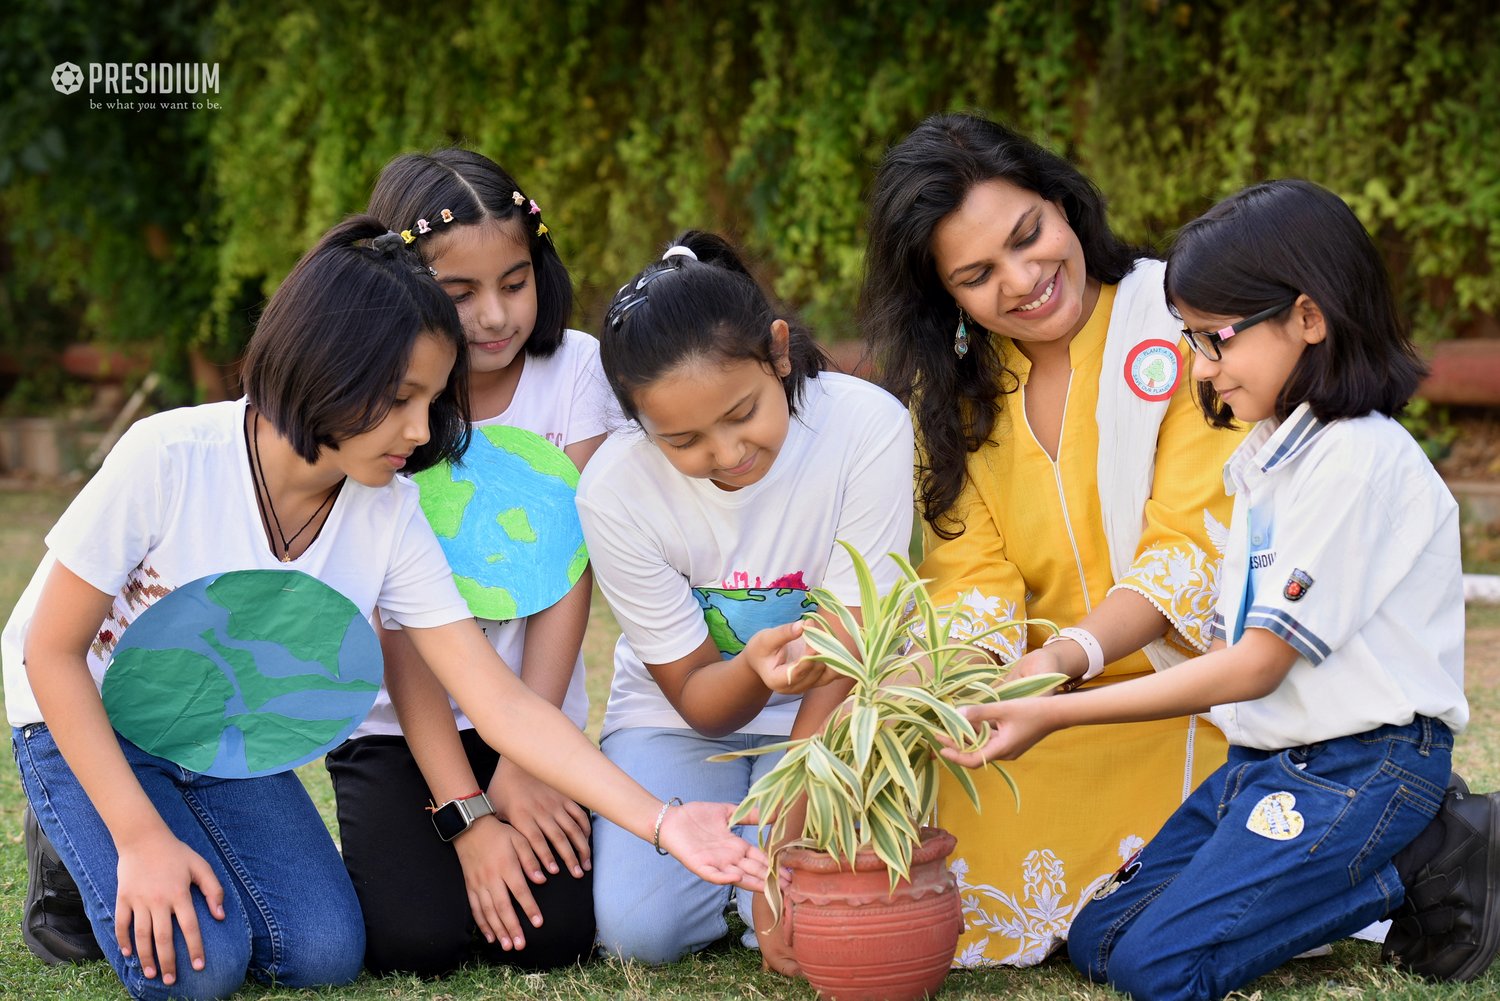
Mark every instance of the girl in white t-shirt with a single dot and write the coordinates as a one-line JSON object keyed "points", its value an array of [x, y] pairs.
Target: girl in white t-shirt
{"points": [[471, 222], [707, 522], [192, 882], [1337, 667]]}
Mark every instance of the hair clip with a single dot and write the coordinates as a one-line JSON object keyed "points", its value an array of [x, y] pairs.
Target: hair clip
{"points": [[424, 227], [541, 229], [432, 270], [518, 198], [535, 208], [678, 250]]}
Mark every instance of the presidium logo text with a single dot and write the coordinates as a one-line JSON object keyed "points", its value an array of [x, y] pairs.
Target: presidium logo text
{"points": [[168, 80]]}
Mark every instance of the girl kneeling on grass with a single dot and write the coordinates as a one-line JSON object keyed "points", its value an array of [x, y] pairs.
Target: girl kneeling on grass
{"points": [[1337, 667], [707, 523], [192, 882]]}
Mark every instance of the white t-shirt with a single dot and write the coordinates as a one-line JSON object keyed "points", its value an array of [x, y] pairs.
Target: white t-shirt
{"points": [[565, 399], [1344, 542], [174, 501], [679, 558]]}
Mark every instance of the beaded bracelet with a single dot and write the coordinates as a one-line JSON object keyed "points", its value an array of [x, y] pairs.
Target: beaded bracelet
{"points": [[656, 834]]}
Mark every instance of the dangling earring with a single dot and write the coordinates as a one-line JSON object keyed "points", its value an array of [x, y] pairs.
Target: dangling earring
{"points": [[961, 336]]}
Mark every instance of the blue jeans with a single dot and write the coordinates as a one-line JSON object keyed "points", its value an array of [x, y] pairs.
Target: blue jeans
{"points": [[291, 916], [1275, 853], [648, 907]]}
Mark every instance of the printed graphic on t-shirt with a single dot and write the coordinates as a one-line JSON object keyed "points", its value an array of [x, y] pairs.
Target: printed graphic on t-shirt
{"points": [[734, 615], [143, 588]]}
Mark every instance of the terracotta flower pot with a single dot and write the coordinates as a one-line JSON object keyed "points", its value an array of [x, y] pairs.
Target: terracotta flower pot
{"points": [[857, 941]]}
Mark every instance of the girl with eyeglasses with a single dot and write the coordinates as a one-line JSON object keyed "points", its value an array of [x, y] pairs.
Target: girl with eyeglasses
{"points": [[708, 520], [1065, 474], [1336, 667]]}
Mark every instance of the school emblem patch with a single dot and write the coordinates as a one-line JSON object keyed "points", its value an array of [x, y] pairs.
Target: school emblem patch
{"points": [[1153, 369], [1298, 584], [1122, 875], [1275, 817]]}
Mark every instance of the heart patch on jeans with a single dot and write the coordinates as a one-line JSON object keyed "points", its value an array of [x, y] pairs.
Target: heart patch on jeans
{"points": [[1274, 817]]}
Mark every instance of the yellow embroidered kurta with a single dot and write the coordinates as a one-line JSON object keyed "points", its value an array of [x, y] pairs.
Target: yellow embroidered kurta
{"points": [[1034, 546]]}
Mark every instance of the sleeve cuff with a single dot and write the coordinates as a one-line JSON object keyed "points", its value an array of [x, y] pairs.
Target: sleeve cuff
{"points": [[1303, 640]]}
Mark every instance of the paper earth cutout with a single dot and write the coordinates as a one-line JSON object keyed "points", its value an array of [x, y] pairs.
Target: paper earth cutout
{"points": [[245, 673], [507, 522]]}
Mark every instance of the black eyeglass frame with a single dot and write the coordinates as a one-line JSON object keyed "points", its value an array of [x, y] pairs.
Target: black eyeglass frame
{"points": [[1208, 343]]}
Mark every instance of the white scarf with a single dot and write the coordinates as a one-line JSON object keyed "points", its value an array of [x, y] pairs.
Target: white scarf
{"points": [[1128, 425]]}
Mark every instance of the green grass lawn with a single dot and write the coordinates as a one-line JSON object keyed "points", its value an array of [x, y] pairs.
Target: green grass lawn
{"points": [[727, 970]]}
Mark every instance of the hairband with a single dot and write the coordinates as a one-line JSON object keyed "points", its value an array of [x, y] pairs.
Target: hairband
{"points": [[678, 250]]}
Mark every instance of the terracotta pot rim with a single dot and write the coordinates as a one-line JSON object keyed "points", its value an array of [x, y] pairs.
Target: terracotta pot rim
{"points": [[936, 844]]}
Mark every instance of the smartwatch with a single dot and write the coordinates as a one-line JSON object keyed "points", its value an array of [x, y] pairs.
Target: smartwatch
{"points": [[455, 816]]}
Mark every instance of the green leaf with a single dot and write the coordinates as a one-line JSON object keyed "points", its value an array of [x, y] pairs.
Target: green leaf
{"points": [[1019, 688], [863, 722]]}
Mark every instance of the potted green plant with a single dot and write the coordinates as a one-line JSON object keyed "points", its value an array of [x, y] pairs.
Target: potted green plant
{"points": [[872, 911]]}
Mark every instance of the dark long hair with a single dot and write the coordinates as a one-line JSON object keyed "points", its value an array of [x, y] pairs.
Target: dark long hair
{"points": [[475, 189], [908, 316], [333, 344], [1274, 241], [710, 307]]}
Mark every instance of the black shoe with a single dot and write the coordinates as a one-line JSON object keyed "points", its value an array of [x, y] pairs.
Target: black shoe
{"points": [[54, 924], [1448, 928]]}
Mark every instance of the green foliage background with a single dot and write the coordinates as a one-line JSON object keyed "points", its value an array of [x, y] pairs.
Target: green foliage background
{"points": [[629, 121]]}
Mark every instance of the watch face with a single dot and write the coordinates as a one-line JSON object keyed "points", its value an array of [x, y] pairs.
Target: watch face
{"points": [[450, 821]]}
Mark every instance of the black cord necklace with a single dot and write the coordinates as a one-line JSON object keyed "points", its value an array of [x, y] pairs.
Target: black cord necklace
{"points": [[264, 504]]}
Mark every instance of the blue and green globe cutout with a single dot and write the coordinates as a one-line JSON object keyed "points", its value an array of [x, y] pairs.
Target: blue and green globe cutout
{"points": [[244, 673], [507, 522]]}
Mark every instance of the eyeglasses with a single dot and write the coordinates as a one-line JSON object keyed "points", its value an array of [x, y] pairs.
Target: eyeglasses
{"points": [[631, 295], [1208, 343]]}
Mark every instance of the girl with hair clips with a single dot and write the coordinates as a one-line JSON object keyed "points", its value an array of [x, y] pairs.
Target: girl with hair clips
{"points": [[185, 875], [708, 520], [1337, 660], [1064, 474], [473, 224]]}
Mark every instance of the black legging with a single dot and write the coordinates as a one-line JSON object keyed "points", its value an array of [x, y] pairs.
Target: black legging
{"points": [[409, 882]]}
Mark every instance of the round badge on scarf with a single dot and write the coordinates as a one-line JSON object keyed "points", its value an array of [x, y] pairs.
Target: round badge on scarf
{"points": [[1153, 369], [507, 521], [243, 674]]}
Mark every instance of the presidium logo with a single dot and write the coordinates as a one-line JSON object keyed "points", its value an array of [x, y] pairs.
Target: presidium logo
{"points": [[179, 86], [67, 78]]}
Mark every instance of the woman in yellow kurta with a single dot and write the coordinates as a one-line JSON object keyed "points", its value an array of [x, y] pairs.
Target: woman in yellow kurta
{"points": [[1066, 475]]}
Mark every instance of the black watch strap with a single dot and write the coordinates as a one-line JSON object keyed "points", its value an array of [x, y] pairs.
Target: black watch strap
{"points": [[455, 816]]}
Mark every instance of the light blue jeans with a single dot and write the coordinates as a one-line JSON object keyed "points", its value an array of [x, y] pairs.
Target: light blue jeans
{"points": [[648, 907], [291, 916]]}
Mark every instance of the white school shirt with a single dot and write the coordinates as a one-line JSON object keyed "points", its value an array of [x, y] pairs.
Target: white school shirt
{"points": [[678, 557], [565, 399], [174, 501], [1344, 542]]}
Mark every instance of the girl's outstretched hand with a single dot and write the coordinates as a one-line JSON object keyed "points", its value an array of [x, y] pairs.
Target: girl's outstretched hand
{"points": [[1015, 725], [156, 881], [699, 836], [777, 655]]}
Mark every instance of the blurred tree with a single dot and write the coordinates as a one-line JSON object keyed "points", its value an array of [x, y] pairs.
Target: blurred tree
{"points": [[764, 120]]}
